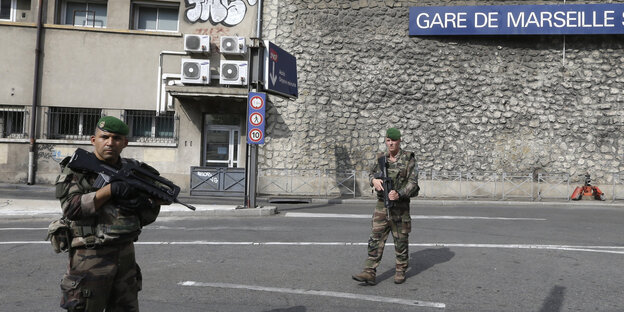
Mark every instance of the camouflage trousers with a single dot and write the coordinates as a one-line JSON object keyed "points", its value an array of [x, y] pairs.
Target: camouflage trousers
{"points": [[399, 224], [102, 278]]}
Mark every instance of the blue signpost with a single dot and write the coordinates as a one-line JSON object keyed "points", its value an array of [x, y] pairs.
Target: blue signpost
{"points": [[280, 71], [256, 103], [559, 19]]}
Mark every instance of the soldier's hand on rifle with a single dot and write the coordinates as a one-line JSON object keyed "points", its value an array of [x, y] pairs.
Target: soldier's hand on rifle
{"points": [[393, 195], [130, 205], [121, 189], [378, 185]]}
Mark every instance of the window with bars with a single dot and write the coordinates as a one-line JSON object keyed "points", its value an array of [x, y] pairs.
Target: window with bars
{"points": [[72, 123], [145, 126], [12, 122]]}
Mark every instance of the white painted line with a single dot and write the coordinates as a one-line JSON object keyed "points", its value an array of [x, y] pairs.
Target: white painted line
{"points": [[295, 291], [24, 243], [362, 216], [327, 215], [475, 218], [198, 243], [29, 212], [23, 229], [597, 249]]}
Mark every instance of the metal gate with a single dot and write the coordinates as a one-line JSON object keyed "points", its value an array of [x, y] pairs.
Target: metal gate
{"points": [[217, 181]]}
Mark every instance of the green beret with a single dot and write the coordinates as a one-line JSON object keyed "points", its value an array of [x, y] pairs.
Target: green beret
{"points": [[393, 133], [113, 125]]}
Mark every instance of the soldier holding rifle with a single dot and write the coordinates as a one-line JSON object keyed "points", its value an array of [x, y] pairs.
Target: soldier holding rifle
{"points": [[395, 178], [103, 222]]}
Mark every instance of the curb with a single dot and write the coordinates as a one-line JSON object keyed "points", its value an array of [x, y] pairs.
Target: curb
{"points": [[459, 202], [264, 211]]}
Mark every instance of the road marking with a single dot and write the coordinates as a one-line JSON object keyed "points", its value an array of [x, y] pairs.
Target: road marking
{"points": [[324, 215], [597, 249], [366, 216], [295, 291]]}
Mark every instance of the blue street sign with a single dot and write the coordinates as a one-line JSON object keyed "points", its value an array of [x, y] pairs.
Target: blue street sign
{"points": [[256, 107], [558, 19], [280, 71]]}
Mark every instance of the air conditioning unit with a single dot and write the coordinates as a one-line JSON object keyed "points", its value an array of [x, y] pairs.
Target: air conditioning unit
{"points": [[195, 71], [197, 43], [233, 45], [233, 72]]}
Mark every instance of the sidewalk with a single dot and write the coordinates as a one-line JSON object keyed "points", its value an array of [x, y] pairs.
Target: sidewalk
{"points": [[18, 201]]}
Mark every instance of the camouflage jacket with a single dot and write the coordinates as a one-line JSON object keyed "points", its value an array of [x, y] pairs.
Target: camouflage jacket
{"points": [[91, 227], [404, 174]]}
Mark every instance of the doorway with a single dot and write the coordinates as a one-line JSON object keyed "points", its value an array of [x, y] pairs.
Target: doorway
{"points": [[222, 146]]}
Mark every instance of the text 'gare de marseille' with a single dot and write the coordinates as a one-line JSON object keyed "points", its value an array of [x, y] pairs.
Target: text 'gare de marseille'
{"points": [[519, 19]]}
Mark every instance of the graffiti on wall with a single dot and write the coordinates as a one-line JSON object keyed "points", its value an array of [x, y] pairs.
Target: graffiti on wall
{"points": [[50, 152], [226, 12], [213, 32]]}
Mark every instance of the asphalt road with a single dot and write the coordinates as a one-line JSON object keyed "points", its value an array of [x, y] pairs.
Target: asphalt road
{"points": [[465, 257]]}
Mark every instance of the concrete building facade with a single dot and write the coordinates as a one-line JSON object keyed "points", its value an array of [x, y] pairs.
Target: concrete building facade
{"points": [[530, 104], [105, 59]]}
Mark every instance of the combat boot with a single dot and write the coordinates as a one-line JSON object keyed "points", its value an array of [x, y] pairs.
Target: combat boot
{"points": [[399, 277], [367, 276]]}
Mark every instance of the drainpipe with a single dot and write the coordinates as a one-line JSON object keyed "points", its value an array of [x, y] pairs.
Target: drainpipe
{"points": [[161, 80], [35, 97], [259, 21]]}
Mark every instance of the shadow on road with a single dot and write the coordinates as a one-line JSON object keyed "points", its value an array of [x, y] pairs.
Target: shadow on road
{"points": [[554, 301], [421, 261], [291, 309]]}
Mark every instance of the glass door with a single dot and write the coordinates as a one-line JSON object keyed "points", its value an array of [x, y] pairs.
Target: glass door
{"points": [[221, 148]]}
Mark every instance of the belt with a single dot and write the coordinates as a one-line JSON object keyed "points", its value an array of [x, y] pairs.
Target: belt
{"points": [[83, 230]]}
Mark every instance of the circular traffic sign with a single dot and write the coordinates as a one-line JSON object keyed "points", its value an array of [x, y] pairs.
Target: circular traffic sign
{"points": [[255, 135], [256, 102], [256, 119]]}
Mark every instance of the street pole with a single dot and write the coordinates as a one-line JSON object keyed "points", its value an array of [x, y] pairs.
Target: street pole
{"points": [[253, 175], [256, 65]]}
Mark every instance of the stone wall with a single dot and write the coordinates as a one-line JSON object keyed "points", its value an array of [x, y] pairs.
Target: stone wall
{"points": [[490, 103]]}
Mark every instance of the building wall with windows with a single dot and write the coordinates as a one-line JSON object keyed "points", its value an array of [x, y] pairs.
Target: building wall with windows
{"points": [[526, 104], [102, 58]]}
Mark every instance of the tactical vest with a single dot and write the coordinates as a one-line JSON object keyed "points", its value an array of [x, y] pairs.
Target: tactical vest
{"points": [[400, 172], [109, 226]]}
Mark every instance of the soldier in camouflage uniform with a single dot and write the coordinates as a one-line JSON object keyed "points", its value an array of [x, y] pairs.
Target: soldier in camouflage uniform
{"points": [[403, 170], [105, 222]]}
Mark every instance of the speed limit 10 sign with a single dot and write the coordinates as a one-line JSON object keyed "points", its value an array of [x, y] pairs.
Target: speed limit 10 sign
{"points": [[256, 103], [255, 135]]}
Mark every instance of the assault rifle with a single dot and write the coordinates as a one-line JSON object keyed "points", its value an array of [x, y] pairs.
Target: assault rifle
{"points": [[387, 182], [139, 175]]}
